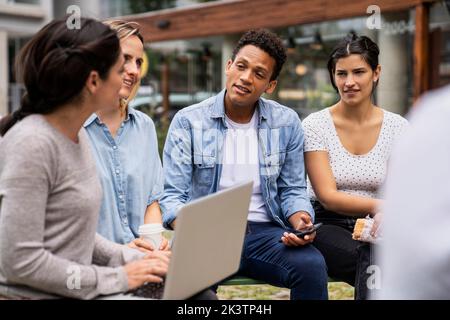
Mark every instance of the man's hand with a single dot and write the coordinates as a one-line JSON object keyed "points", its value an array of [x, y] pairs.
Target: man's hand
{"points": [[300, 221]]}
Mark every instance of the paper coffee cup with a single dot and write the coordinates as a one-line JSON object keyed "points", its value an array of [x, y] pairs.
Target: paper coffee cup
{"points": [[152, 233]]}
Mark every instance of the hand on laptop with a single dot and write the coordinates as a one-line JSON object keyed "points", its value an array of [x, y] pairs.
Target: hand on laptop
{"points": [[152, 268], [160, 255], [300, 221]]}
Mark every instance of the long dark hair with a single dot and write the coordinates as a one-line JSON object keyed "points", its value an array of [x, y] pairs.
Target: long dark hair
{"points": [[353, 44], [55, 64]]}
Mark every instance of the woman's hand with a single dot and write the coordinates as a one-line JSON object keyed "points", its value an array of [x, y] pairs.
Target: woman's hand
{"points": [[377, 220], [143, 246], [165, 246], [152, 268]]}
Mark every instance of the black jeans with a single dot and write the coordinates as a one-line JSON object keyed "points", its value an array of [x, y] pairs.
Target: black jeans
{"points": [[347, 259]]}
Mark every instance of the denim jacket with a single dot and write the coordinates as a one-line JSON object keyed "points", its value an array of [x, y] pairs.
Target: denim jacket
{"points": [[193, 158]]}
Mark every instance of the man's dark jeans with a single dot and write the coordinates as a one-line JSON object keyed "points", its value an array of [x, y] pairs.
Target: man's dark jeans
{"points": [[301, 269]]}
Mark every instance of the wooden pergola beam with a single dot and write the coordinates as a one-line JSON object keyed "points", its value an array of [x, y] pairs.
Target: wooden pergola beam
{"points": [[228, 17], [421, 50]]}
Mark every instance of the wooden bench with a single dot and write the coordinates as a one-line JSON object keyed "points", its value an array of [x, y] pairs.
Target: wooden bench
{"points": [[241, 281], [244, 281]]}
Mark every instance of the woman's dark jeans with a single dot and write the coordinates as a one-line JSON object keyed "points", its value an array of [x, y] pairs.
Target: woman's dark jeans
{"points": [[347, 259]]}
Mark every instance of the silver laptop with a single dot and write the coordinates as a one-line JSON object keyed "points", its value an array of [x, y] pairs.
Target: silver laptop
{"points": [[207, 243]]}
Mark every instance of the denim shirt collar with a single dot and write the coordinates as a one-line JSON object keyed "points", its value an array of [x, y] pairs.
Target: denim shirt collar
{"points": [[131, 114], [218, 109]]}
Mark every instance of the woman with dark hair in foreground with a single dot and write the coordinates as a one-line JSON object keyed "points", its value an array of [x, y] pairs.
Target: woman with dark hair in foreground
{"points": [[50, 192]]}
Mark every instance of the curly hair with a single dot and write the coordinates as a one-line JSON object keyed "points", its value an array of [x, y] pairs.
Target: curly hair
{"points": [[267, 41]]}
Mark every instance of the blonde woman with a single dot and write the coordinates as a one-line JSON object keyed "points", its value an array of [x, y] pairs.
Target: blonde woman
{"points": [[125, 146]]}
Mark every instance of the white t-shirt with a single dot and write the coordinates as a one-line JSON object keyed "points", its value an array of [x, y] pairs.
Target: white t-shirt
{"points": [[240, 163], [354, 174]]}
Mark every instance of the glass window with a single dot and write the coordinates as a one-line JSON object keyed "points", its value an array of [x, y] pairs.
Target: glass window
{"points": [[25, 1], [304, 82], [439, 44], [15, 89], [195, 71]]}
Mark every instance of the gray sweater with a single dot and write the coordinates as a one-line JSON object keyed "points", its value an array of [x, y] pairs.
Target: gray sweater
{"points": [[50, 197]]}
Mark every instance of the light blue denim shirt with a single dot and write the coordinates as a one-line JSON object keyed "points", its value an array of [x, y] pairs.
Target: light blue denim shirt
{"points": [[130, 170], [193, 156]]}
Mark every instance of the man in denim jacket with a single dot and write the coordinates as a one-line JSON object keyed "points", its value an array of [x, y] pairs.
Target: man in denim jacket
{"points": [[237, 136]]}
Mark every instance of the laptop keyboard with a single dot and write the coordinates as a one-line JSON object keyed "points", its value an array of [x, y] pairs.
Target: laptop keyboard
{"points": [[150, 290]]}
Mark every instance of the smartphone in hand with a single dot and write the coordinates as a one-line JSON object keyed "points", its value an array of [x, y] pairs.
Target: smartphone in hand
{"points": [[303, 233]]}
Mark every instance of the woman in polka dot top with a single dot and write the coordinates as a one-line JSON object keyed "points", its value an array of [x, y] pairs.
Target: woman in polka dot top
{"points": [[347, 147]]}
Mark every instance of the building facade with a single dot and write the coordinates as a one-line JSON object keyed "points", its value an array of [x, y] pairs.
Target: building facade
{"points": [[19, 20], [189, 42], [413, 36]]}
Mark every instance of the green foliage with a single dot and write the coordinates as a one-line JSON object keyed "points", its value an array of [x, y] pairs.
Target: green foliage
{"points": [[336, 291], [161, 133], [321, 97]]}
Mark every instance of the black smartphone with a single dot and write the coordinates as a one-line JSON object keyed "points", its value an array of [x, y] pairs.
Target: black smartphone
{"points": [[303, 233]]}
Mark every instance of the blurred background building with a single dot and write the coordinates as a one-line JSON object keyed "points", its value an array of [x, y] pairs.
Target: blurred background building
{"points": [[19, 19], [188, 43]]}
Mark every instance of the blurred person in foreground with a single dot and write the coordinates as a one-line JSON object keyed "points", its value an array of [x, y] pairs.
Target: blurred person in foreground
{"points": [[415, 254]]}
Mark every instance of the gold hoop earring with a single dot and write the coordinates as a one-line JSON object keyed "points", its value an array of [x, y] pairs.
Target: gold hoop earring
{"points": [[122, 106]]}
